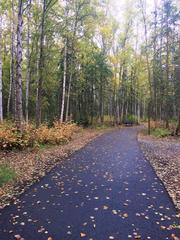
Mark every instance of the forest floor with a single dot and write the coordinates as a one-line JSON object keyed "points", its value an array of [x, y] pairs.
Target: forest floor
{"points": [[31, 165], [164, 156]]}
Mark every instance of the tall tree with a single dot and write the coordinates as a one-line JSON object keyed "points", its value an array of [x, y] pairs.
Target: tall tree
{"points": [[28, 61], [40, 66], [19, 106]]}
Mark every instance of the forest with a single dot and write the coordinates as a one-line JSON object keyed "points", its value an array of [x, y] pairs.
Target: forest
{"points": [[63, 61], [89, 119]]}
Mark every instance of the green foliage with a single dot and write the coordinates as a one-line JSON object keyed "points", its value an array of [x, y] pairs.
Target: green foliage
{"points": [[101, 126], [6, 175], [160, 132], [131, 119], [106, 63]]}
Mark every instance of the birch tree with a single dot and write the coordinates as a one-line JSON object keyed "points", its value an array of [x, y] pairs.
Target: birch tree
{"points": [[40, 67], [12, 84], [64, 66], [28, 61], [19, 107]]}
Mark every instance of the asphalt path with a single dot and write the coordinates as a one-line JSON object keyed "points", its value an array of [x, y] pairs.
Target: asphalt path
{"points": [[107, 190]]}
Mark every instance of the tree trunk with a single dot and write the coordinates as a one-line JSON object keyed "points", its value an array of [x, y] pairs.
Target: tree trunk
{"points": [[101, 104], [149, 118], [40, 68], [167, 79], [143, 9], [19, 108], [178, 125], [155, 62], [28, 63], [12, 84], [68, 96], [13, 54], [1, 104], [64, 82]]}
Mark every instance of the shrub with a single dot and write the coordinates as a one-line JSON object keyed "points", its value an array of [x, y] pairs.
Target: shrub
{"points": [[58, 134], [11, 138], [6, 175], [160, 132], [130, 119]]}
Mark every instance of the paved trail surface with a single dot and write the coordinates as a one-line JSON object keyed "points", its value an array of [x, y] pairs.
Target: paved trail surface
{"points": [[105, 191]]}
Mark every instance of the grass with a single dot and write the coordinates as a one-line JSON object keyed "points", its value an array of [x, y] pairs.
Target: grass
{"points": [[43, 146], [6, 175], [100, 127]]}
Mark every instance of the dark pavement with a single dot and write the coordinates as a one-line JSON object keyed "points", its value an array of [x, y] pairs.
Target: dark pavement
{"points": [[105, 191]]}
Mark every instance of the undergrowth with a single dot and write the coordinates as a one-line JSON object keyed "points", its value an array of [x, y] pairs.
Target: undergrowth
{"points": [[6, 175], [161, 132], [11, 138]]}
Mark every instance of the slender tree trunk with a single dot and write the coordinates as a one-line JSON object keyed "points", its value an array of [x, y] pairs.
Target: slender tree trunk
{"points": [[64, 82], [19, 108], [118, 112], [101, 104], [1, 103], [155, 61], [177, 87], [28, 63], [143, 9], [13, 54], [71, 64], [12, 84], [68, 96], [149, 118], [178, 125], [10, 93], [167, 79], [40, 68]]}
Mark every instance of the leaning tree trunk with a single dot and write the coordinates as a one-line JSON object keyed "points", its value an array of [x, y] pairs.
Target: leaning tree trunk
{"points": [[1, 104], [19, 108], [41, 69]]}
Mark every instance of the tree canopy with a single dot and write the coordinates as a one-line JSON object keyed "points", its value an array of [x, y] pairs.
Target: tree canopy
{"points": [[77, 60]]}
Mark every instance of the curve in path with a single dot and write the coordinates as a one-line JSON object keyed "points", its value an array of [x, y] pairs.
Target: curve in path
{"points": [[105, 191]]}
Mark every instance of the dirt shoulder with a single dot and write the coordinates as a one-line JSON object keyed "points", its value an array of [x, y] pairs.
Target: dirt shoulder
{"points": [[32, 165], [164, 155]]}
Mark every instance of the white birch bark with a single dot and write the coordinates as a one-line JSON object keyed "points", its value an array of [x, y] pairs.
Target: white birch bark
{"points": [[12, 85], [64, 82], [19, 109], [40, 68], [28, 62]]}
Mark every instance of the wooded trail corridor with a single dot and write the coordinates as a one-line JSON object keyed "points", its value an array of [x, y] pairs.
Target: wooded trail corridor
{"points": [[105, 191]]}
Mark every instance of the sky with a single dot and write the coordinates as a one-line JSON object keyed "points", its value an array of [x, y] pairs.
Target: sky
{"points": [[118, 6]]}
